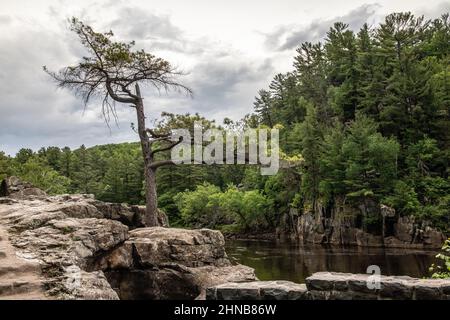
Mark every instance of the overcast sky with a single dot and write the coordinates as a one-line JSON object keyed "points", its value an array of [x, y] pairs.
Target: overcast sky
{"points": [[229, 48]]}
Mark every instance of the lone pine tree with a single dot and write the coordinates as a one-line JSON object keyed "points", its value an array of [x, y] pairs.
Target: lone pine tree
{"points": [[113, 72]]}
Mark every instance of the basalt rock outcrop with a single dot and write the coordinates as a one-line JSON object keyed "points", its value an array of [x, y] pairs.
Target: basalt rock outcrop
{"points": [[82, 248], [344, 225]]}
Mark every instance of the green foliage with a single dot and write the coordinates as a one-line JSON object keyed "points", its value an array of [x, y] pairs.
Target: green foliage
{"points": [[372, 117], [23, 155], [122, 181], [442, 271], [310, 139], [423, 192], [370, 160], [5, 165], [404, 199], [43, 176], [231, 209], [200, 207]]}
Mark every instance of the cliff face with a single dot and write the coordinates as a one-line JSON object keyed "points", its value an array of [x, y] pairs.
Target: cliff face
{"points": [[76, 247], [344, 225]]}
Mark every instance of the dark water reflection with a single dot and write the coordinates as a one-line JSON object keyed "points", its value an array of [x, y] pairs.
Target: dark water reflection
{"points": [[290, 261]]}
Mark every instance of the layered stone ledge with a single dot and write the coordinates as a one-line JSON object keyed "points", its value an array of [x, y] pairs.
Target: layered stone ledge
{"points": [[335, 286], [258, 290], [345, 286]]}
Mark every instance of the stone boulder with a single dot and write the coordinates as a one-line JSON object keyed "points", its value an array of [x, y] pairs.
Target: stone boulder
{"points": [[346, 286], [65, 235], [139, 212], [85, 205], [258, 290], [61, 243], [191, 248], [168, 263], [13, 187], [77, 205], [81, 285]]}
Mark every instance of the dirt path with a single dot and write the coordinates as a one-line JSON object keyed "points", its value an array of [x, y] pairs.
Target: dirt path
{"points": [[20, 279]]}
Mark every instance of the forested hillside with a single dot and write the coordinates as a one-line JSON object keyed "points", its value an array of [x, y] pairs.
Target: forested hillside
{"points": [[368, 111]]}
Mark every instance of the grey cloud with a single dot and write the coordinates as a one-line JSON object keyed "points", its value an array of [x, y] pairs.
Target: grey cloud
{"points": [[33, 113], [157, 31], [434, 12], [228, 84], [5, 19], [289, 37], [140, 24], [222, 87]]}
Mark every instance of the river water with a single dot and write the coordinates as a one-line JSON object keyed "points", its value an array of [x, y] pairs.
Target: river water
{"points": [[290, 261]]}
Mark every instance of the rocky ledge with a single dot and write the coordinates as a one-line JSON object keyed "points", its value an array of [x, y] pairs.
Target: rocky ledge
{"points": [[82, 248], [336, 286], [345, 286], [258, 290]]}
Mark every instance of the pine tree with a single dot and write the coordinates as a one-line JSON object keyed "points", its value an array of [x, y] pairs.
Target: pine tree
{"points": [[263, 108], [5, 165], [341, 54], [84, 178], [311, 144], [310, 69]]}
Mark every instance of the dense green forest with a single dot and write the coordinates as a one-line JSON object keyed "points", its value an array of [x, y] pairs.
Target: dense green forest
{"points": [[368, 111]]}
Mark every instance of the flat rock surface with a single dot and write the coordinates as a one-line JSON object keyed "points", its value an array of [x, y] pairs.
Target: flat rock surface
{"points": [[335, 285], [19, 278], [63, 235], [258, 290], [191, 248]]}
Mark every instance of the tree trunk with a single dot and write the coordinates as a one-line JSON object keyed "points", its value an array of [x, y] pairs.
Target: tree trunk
{"points": [[151, 208]]}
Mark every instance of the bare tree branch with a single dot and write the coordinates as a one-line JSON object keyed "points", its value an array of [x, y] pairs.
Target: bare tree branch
{"points": [[169, 147]]}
